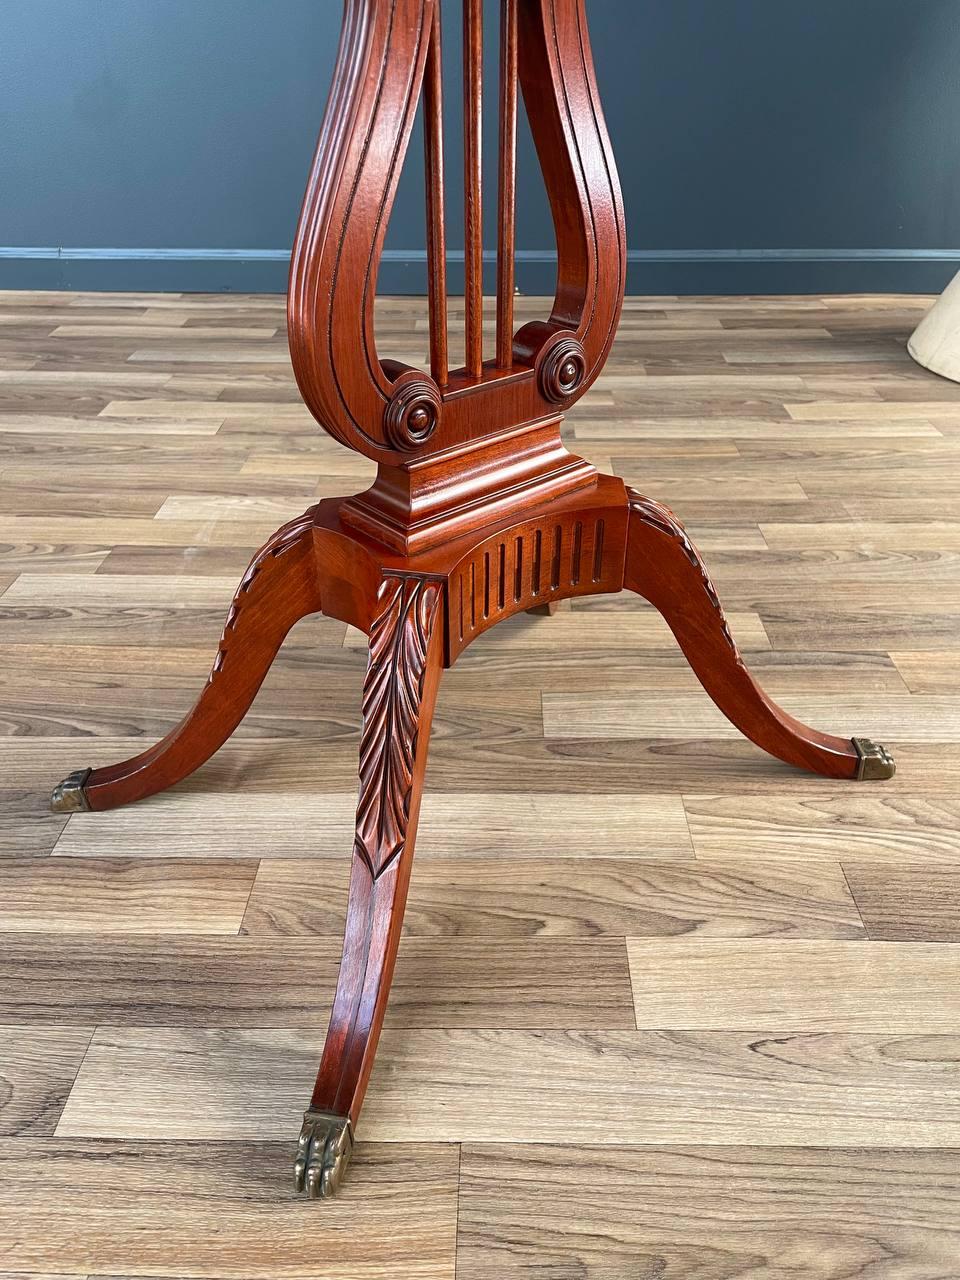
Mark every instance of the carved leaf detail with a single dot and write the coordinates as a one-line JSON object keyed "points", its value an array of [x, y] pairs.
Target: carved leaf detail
{"points": [[392, 696], [658, 516], [286, 536]]}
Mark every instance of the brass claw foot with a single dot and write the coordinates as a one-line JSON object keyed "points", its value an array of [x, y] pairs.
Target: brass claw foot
{"points": [[876, 762], [323, 1153], [69, 796]]}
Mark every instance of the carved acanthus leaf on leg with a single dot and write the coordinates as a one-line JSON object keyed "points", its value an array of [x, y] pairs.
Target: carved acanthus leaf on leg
{"points": [[280, 586], [659, 516], [392, 693], [672, 576], [286, 537], [405, 658]]}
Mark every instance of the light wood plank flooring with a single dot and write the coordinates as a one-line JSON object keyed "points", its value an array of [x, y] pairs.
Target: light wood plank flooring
{"points": [[665, 1008]]}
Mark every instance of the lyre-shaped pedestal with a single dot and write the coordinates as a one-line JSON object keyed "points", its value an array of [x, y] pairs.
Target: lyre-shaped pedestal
{"points": [[478, 510]]}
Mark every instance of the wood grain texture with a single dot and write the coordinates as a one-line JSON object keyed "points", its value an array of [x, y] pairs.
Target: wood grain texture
{"points": [[604, 630], [559, 897], [907, 903], [600, 715], [769, 1087], [503, 826], [509, 761], [584, 669], [728, 1214], [38, 1066], [220, 1210], [876, 828], [904, 987], [25, 829], [929, 672], [512, 1019], [118, 895], [276, 982]]}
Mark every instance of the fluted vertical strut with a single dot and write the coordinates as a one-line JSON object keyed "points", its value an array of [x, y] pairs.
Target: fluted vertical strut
{"points": [[472, 188], [507, 200], [436, 232]]}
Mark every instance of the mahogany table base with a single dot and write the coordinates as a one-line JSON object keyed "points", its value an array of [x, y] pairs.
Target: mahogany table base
{"points": [[478, 511], [420, 612]]}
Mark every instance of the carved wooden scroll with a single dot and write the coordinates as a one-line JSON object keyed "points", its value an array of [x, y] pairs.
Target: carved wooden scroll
{"points": [[389, 57]]}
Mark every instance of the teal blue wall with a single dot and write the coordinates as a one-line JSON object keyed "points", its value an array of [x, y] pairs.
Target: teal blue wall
{"points": [[764, 145]]}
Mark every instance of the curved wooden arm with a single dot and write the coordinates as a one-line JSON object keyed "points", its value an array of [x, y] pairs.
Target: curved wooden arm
{"points": [[343, 222], [563, 106], [387, 411]]}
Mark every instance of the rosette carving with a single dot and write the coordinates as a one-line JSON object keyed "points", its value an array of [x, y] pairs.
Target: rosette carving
{"points": [[413, 411], [561, 369]]}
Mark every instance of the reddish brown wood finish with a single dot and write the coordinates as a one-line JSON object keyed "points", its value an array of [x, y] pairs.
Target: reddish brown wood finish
{"points": [[478, 511], [399, 692], [664, 567], [472, 183], [507, 191], [436, 225], [399, 417], [279, 588]]}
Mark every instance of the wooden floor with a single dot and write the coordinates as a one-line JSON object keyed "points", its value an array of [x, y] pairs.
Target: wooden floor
{"points": [[726, 994]]}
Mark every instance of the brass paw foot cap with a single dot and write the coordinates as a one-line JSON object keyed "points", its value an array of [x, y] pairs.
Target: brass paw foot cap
{"points": [[323, 1153], [69, 795], [876, 762]]}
